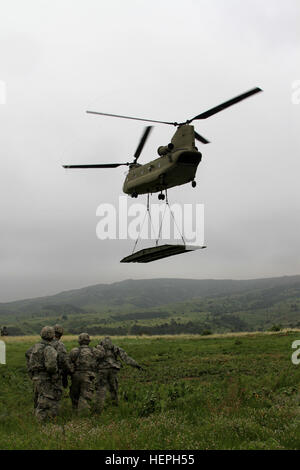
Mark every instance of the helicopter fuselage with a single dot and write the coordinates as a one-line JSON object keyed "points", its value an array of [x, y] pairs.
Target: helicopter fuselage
{"points": [[177, 165], [178, 161]]}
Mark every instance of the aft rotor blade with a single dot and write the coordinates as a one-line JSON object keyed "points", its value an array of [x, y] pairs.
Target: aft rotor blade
{"points": [[227, 104], [200, 138], [102, 165], [142, 142], [129, 117]]}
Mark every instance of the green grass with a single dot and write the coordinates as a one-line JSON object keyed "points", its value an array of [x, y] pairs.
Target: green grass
{"points": [[226, 392]]}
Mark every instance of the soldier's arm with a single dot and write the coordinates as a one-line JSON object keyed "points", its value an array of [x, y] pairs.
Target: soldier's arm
{"points": [[99, 351], [65, 364], [64, 360], [68, 366], [99, 354], [127, 359], [27, 354], [50, 360], [72, 358]]}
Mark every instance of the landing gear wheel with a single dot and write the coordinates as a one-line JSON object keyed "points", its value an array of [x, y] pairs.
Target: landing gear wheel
{"points": [[134, 195], [161, 197], [194, 184]]}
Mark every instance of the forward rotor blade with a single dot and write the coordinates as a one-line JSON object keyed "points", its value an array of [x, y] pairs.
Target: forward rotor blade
{"points": [[200, 138], [142, 142], [102, 165], [227, 104], [129, 117]]}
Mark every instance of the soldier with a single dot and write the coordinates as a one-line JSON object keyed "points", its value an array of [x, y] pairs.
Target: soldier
{"points": [[108, 370], [84, 361], [64, 365], [4, 331], [42, 364]]}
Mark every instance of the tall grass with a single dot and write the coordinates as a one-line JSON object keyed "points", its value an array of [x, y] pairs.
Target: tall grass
{"points": [[219, 392]]}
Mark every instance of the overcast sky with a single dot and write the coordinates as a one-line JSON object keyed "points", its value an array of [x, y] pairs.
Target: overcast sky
{"points": [[166, 60]]}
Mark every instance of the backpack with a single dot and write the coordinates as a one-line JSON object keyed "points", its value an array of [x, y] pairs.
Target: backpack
{"points": [[85, 360], [36, 362]]}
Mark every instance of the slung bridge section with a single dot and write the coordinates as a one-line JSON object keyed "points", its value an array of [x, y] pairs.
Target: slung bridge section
{"points": [[159, 252]]}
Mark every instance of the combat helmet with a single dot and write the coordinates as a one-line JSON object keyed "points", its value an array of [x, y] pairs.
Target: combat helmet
{"points": [[106, 343], [84, 338], [47, 333], [58, 331]]}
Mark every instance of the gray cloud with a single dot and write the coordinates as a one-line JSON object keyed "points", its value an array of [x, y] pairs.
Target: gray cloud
{"points": [[158, 60]]}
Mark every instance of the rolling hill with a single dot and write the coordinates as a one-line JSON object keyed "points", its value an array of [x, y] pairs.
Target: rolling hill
{"points": [[162, 305]]}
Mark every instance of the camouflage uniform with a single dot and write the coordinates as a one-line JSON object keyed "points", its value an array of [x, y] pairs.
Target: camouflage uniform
{"points": [[3, 331], [84, 361], [42, 366], [109, 366], [64, 365]]}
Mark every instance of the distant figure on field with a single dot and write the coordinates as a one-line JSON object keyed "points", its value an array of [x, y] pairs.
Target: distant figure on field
{"points": [[3, 331], [107, 377], [64, 365], [84, 361], [42, 365]]}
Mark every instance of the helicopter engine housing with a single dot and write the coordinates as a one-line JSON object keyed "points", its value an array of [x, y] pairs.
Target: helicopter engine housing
{"points": [[165, 149]]}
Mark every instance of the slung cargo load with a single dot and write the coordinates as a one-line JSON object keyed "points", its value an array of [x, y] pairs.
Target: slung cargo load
{"points": [[159, 252]]}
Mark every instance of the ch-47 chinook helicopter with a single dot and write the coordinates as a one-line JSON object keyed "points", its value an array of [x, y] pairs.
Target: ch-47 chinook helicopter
{"points": [[177, 164], [178, 161]]}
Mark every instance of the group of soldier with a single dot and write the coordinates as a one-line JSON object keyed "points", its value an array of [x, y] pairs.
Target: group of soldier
{"points": [[93, 371]]}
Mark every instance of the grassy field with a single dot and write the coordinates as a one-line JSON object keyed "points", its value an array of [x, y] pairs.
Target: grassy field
{"points": [[238, 391]]}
